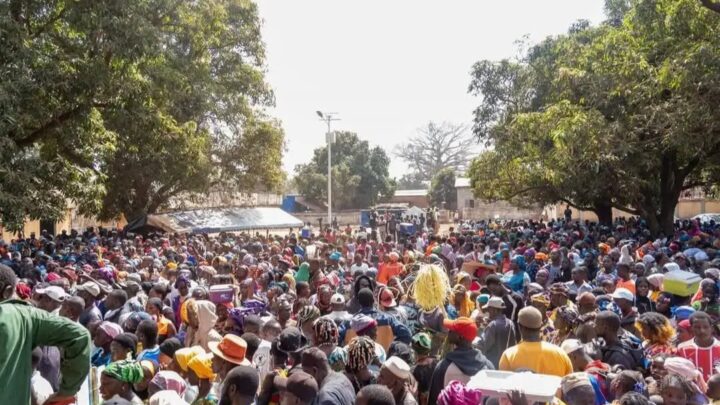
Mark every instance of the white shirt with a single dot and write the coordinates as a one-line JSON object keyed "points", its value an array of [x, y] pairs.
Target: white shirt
{"points": [[40, 388], [261, 359], [362, 268]]}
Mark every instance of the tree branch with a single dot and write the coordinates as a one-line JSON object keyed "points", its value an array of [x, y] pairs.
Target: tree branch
{"points": [[711, 5], [576, 206], [49, 22], [55, 122], [626, 209]]}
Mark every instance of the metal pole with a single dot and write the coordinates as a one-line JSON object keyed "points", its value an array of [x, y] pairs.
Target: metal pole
{"points": [[328, 118], [328, 138]]}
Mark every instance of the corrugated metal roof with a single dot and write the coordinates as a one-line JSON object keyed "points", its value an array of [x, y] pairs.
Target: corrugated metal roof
{"points": [[231, 219], [410, 193], [461, 182]]}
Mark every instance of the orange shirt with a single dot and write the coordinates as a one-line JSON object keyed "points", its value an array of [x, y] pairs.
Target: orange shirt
{"points": [[630, 285], [163, 324], [388, 270]]}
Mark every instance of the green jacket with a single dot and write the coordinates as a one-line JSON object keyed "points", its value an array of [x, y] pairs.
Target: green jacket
{"points": [[22, 328]]}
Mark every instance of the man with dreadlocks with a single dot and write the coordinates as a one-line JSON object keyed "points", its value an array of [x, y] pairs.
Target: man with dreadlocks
{"points": [[326, 339], [361, 354]]}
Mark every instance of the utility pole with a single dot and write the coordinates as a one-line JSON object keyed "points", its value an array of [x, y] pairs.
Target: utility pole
{"points": [[328, 118]]}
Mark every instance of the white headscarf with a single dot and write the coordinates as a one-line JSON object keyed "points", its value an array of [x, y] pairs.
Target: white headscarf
{"points": [[686, 369], [206, 326], [167, 397]]}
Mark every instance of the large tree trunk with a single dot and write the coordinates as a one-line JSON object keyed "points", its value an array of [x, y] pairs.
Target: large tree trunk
{"points": [[603, 210], [652, 223]]}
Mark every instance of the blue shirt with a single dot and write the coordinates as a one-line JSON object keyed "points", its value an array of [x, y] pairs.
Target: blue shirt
{"points": [[150, 354], [100, 358]]}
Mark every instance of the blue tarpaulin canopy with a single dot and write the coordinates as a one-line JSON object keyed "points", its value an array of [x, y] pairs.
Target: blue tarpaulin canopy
{"points": [[233, 219]]}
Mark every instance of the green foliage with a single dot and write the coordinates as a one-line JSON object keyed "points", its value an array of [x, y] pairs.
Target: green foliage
{"points": [[359, 174], [411, 181], [619, 115], [442, 189], [131, 103]]}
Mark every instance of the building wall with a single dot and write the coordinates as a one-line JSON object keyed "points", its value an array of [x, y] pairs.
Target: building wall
{"points": [[686, 208], [71, 220], [471, 208], [343, 217], [420, 201]]}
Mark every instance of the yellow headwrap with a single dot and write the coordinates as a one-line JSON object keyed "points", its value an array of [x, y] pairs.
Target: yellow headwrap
{"points": [[188, 305], [201, 365], [184, 355], [290, 280], [148, 365]]}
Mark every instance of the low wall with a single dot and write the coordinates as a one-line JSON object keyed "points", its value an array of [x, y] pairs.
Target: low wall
{"points": [[686, 208], [351, 218]]}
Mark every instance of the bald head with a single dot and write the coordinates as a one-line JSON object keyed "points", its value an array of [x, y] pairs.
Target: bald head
{"points": [[315, 363]]}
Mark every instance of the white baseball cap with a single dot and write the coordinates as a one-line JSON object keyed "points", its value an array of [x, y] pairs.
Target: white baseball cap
{"points": [[495, 302], [90, 287], [337, 299], [54, 292], [571, 345], [623, 294]]}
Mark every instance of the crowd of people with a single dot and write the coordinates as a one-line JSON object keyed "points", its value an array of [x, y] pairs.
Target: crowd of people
{"points": [[336, 318]]}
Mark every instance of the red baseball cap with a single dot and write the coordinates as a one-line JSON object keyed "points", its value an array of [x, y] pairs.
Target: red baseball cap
{"points": [[464, 327]]}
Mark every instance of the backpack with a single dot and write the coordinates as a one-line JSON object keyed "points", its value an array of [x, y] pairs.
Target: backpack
{"points": [[629, 348]]}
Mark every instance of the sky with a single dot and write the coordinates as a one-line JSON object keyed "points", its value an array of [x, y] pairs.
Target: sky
{"points": [[389, 67]]}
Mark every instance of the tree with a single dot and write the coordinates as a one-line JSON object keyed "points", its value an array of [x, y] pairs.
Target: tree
{"points": [[615, 115], [360, 174], [542, 152], [436, 147], [711, 5], [410, 181], [442, 189], [136, 101]]}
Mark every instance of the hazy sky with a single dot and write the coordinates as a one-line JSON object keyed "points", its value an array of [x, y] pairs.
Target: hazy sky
{"points": [[388, 67]]}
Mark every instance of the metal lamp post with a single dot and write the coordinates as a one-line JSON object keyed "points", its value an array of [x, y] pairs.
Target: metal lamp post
{"points": [[328, 118]]}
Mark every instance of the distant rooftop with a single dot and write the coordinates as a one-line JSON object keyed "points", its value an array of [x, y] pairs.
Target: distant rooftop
{"points": [[410, 193], [462, 182]]}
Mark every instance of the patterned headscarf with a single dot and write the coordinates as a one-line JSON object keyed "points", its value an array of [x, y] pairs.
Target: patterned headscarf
{"points": [[307, 313], [686, 369], [456, 393], [182, 278], [23, 291], [238, 315], [326, 332], [547, 276], [559, 288], [169, 380], [422, 343], [361, 352], [568, 315], [126, 371], [541, 299]]}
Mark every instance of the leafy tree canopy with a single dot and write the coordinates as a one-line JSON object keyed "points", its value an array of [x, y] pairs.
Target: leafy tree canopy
{"points": [[360, 174], [618, 115], [442, 189], [411, 181], [121, 105]]}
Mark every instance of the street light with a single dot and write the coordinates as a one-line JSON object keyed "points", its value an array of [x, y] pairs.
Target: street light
{"points": [[328, 118]]}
